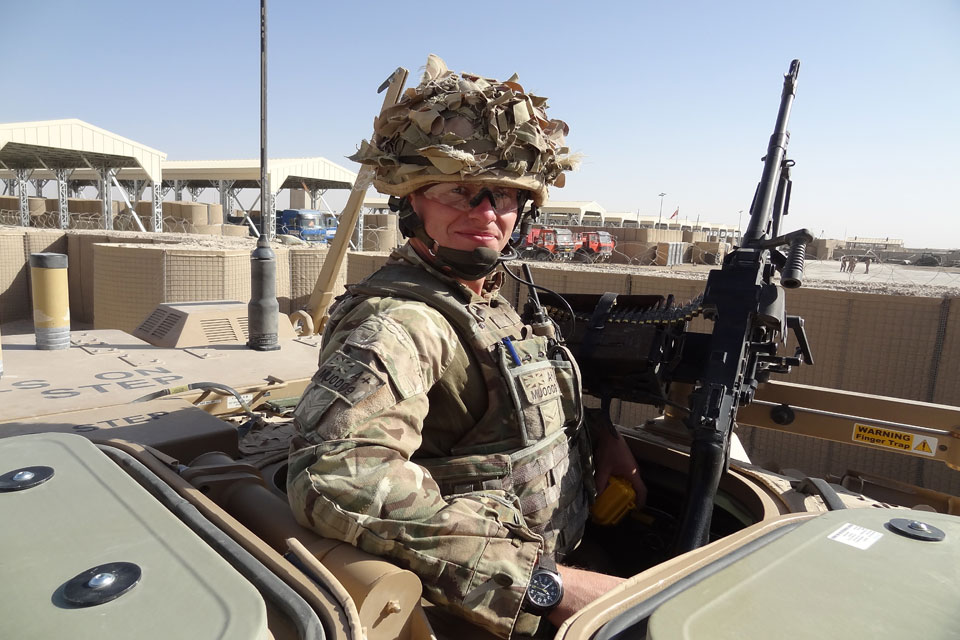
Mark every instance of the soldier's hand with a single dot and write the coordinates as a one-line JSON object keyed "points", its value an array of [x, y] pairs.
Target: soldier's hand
{"points": [[613, 457]]}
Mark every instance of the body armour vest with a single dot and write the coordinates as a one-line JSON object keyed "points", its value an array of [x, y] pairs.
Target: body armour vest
{"points": [[539, 451]]}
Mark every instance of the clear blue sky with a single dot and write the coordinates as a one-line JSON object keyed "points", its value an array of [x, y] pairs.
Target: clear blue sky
{"points": [[678, 97]]}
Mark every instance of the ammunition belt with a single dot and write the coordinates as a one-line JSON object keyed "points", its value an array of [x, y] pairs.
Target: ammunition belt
{"points": [[675, 314]]}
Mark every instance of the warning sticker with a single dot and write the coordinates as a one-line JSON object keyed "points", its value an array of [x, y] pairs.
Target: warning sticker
{"points": [[859, 537], [924, 445], [893, 439], [233, 403]]}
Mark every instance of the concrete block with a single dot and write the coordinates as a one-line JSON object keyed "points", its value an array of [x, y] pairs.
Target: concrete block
{"points": [[235, 230], [299, 199], [214, 214], [194, 213]]}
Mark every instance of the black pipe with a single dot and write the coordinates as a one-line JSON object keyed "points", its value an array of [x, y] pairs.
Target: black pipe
{"points": [[707, 456], [263, 308]]}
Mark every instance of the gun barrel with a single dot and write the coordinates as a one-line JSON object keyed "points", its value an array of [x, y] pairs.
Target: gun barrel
{"points": [[776, 151]]}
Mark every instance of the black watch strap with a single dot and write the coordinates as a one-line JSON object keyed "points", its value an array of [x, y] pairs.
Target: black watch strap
{"points": [[545, 589], [546, 562]]}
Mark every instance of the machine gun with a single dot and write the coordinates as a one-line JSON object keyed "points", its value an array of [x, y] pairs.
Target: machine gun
{"points": [[635, 347], [750, 323]]}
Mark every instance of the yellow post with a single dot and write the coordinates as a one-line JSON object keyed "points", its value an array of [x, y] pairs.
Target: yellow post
{"points": [[51, 300]]}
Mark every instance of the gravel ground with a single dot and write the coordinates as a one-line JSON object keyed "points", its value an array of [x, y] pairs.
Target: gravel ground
{"points": [[889, 279]]}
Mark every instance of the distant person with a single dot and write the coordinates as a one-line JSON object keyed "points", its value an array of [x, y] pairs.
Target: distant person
{"points": [[866, 262]]}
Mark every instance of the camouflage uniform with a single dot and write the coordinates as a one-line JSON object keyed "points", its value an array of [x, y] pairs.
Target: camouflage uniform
{"points": [[412, 447]]}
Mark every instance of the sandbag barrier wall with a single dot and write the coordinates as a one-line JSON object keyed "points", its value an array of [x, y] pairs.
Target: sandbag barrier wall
{"points": [[137, 271]]}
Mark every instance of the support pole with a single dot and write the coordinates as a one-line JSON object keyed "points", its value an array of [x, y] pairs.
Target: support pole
{"points": [[63, 211], [128, 201], [272, 208], [22, 176], [156, 220], [316, 195], [178, 191], [107, 175], [226, 195], [358, 234], [137, 193], [38, 185]]}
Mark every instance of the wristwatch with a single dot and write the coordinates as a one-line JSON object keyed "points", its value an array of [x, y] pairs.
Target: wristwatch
{"points": [[545, 589]]}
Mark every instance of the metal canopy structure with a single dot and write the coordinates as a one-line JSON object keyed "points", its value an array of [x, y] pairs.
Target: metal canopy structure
{"points": [[75, 152], [228, 177], [282, 173], [571, 212]]}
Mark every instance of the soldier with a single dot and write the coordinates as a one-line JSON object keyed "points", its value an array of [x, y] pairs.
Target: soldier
{"points": [[440, 431]]}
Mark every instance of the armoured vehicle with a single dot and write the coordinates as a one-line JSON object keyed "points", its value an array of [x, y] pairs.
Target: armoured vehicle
{"points": [[140, 500]]}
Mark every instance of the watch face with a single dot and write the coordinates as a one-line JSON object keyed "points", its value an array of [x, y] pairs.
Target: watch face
{"points": [[544, 589]]}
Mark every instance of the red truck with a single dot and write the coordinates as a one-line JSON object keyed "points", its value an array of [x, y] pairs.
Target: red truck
{"points": [[548, 243], [594, 246]]}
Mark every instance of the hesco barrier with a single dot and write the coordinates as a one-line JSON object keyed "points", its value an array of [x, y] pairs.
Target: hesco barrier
{"points": [[84, 213], [899, 346], [117, 278]]}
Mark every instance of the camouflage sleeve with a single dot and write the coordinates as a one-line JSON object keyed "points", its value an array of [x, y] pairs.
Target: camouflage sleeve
{"points": [[352, 479]]}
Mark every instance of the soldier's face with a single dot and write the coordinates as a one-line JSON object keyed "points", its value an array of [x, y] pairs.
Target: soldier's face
{"points": [[450, 219]]}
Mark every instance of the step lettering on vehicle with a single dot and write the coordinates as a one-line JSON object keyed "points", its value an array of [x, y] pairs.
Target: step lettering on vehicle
{"points": [[102, 382]]}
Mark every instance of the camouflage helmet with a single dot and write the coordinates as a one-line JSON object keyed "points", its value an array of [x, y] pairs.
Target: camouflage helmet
{"points": [[465, 128]]}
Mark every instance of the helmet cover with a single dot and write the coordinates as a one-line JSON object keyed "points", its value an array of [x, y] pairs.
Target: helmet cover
{"points": [[465, 128]]}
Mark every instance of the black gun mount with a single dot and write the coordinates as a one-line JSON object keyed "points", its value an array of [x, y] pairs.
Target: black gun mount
{"points": [[634, 347]]}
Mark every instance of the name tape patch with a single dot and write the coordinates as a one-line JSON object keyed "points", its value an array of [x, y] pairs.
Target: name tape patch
{"points": [[348, 378], [540, 386], [893, 439]]}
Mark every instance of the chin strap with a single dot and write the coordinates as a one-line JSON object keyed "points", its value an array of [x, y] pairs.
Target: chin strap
{"points": [[468, 265]]}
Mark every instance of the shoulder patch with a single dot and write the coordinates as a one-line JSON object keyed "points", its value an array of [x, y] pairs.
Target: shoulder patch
{"points": [[347, 377]]}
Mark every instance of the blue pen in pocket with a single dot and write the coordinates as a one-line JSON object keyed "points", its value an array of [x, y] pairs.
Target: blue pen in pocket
{"points": [[512, 350]]}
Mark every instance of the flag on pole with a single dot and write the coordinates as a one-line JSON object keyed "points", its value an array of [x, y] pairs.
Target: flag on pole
{"points": [[675, 213]]}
